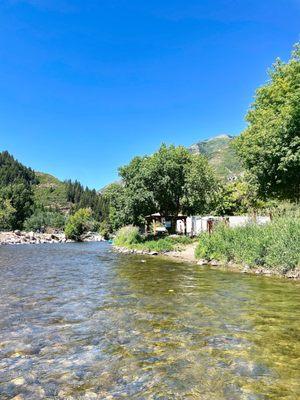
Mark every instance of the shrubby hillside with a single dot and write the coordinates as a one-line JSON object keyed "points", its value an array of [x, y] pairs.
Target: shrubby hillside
{"points": [[50, 192], [36, 200], [221, 155]]}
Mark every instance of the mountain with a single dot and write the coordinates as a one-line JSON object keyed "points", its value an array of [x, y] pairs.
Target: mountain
{"points": [[221, 156], [50, 192]]}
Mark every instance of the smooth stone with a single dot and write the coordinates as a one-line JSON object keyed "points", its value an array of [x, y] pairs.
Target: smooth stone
{"points": [[18, 381]]}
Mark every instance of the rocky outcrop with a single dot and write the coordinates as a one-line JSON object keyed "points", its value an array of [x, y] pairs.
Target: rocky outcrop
{"points": [[21, 237]]}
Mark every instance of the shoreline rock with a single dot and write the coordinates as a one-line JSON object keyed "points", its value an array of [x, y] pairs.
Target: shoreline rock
{"points": [[180, 256], [18, 237]]}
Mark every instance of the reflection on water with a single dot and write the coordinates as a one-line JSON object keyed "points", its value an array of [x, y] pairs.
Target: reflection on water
{"points": [[80, 322]]}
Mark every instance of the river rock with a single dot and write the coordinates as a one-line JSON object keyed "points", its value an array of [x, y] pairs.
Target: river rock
{"points": [[18, 381], [215, 263], [246, 269], [202, 262]]}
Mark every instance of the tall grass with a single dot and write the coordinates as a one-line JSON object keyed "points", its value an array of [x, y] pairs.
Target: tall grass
{"points": [[130, 237], [127, 236], [274, 245]]}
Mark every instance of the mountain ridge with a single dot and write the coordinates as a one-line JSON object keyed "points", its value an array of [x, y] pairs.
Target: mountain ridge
{"points": [[221, 155]]}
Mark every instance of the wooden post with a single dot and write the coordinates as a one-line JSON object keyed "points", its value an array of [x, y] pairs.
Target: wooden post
{"points": [[209, 226]]}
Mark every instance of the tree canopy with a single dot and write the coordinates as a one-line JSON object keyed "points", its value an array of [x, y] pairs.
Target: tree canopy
{"points": [[16, 195], [270, 145], [171, 181]]}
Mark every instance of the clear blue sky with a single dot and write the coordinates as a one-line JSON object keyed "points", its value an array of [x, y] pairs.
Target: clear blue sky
{"points": [[87, 84]]}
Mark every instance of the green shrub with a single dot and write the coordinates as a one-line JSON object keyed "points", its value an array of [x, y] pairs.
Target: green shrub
{"points": [[104, 229], [42, 219], [79, 223], [274, 245], [128, 235]]}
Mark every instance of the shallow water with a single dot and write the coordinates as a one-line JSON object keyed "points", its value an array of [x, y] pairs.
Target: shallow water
{"points": [[80, 322]]}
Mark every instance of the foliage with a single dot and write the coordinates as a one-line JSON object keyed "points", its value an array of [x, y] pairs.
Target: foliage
{"points": [[221, 156], [128, 235], [7, 214], [270, 146], [274, 245], [147, 243], [79, 223], [115, 209], [42, 219], [50, 192], [104, 229], [83, 197], [16, 182], [170, 181], [200, 186], [238, 197], [169, 243], [284, 209]]}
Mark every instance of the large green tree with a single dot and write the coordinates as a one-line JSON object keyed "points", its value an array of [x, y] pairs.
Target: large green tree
{"points": [[270, 145], [170, 181], [16, 183]]}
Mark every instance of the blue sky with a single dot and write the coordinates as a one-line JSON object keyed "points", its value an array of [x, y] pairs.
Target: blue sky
{"points": [[87, 85]]}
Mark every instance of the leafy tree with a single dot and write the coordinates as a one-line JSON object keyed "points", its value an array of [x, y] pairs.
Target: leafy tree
{"points": [[270, 146], [16, 182], [115, 206], [170, 181], [200, 187], [79, 223], [83, 197], [7, 214], [105, 229], [43, 219]]}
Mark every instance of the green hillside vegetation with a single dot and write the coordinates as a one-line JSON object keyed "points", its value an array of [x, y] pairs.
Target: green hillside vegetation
{"points": [[16, 192], [221, 155], [38, 201], [50, 192]]}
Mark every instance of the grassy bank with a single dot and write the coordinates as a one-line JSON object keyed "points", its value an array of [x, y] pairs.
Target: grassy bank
{"points": [[273, 246], [130, 238]]}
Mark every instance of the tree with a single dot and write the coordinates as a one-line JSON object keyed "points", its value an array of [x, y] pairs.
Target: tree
{"points": [[43, 219], [16, 183], [170, 181], [115, 206], [200, 187], [7, 214], [79, 223], [270, 145], [238, 197]]}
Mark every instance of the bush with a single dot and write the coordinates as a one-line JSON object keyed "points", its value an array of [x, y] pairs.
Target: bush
{"points": [[104, 229], [128, 235], [79, 223], [42, 219], [274, 245]]}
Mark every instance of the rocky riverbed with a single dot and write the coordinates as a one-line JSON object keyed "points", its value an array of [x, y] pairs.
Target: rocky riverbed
{"points": [[22, 237]]}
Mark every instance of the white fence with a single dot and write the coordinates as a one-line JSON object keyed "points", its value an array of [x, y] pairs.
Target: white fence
{"points": [[197, 224]]}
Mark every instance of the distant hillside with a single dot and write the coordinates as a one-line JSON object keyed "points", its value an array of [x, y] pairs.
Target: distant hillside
{"points": [[221, 155], [51, 192]]}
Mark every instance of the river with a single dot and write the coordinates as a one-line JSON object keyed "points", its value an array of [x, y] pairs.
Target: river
{"points": [[78, 321]]}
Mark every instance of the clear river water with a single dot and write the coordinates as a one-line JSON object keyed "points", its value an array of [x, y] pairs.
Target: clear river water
{"points": [[78, 321]]}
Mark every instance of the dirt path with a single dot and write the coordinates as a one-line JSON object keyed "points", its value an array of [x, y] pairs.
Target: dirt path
{"points": [[188, 254]]}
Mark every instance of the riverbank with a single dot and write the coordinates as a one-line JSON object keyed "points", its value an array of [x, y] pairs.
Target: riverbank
{"points": [[187, 254], [22, 237]]}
